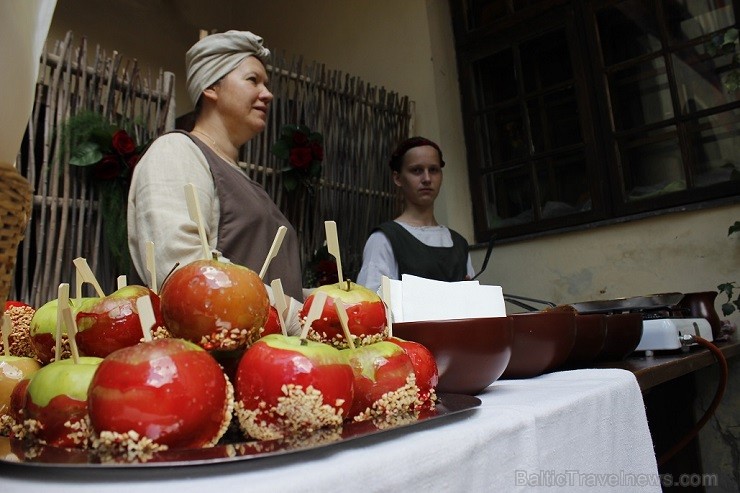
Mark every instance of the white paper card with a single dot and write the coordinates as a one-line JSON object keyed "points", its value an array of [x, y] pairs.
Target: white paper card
{"points": [[427, 299]]}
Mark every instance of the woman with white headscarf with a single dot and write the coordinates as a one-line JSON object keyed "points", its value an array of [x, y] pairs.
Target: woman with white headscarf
{"points": [[227, 82]]}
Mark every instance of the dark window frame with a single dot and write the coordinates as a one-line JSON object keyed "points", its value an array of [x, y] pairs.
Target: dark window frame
{"points": [[609, 205]]}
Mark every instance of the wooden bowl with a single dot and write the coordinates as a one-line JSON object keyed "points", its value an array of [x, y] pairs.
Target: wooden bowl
{"points": [[542, 342], [590, 338], [623, 334], [471, 353]]}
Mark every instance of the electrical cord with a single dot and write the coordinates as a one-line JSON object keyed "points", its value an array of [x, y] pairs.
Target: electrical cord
{"points": [[691, 434]]}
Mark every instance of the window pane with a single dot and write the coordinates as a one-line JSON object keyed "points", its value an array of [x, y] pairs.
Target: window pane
{"points": [[563, 185], [508, 140], [508, 197], [486, 139], [700, 79], [640, 95], [546, 61], [496, 78], [715, 143], [554, 120], [690, 19], [628, 30], [652, 168]]}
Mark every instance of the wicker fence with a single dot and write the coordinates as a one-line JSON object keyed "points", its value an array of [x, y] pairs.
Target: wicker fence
{"points": [[360, 124]]}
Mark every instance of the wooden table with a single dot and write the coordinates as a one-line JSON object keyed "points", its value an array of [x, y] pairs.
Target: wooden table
{"points": [[668, 383], [662, 367]]}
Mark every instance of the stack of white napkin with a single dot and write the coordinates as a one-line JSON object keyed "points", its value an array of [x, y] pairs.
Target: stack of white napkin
{"points": [[414, 299]]}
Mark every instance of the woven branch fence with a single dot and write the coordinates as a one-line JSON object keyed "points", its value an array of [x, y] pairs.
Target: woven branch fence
{"points": [[360, 123], [66, 220]]}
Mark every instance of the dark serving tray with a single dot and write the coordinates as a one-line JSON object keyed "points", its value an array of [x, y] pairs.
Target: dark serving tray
{"points": [[231, 449]]}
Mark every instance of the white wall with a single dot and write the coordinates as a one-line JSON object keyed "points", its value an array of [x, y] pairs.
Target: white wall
{"points": [[681, 252]]}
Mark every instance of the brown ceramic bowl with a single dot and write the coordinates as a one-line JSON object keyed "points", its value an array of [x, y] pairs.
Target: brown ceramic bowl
{"points": [[590, 338], [623, 334], [542, 342], [470, 353]]}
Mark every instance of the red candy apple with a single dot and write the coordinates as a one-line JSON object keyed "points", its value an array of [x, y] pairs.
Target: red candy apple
{"points": [[43, 329], [272, 325], [167, 390], [365, 309], [385, 383], [217, 305], [55, 411], [425, 368], [285, 387], [110, 323]]}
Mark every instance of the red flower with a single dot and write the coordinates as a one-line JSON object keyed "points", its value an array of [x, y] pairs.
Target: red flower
{"points": [[123, 143], [318, 151], [108, 168], [300, 157], [299, 138]]}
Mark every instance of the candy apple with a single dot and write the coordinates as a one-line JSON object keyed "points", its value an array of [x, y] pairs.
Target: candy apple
{"points": [[286, 387], [55, 411], [272, 325], [110, 323], [169, 391], [385, 383], [43, 329], [217, 305], [13, 369], [19, 339], [365, 309], [425, 368]]}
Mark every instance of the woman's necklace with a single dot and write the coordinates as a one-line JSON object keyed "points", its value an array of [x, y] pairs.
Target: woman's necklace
{"points": [[216, 147]]}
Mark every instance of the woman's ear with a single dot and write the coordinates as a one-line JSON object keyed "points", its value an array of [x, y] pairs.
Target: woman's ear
{"points": [[210, 93], [396, 178]]}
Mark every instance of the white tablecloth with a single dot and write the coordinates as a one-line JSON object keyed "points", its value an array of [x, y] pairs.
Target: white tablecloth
{"points": [[581, 430]]}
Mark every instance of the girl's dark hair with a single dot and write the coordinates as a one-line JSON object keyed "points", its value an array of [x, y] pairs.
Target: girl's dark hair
{"points": [[410, 143]]}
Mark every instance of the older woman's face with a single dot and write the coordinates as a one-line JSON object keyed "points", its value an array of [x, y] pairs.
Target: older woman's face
{"points": [[420, 177], [243, 96]]}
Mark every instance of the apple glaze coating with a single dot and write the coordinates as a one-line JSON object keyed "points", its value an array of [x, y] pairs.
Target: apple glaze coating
{"points": [[298, 412], [399, 402]]}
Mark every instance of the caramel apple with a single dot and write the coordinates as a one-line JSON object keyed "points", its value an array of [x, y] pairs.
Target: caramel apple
{"points": [[286, 386], [217, 305], [365, 309], [165, 393]]}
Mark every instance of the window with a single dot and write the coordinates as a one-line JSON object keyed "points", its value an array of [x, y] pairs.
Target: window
{"points": [[585, 111]]}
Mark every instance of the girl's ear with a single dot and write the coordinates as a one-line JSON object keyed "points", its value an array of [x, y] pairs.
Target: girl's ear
{"points": [[396, 178]]}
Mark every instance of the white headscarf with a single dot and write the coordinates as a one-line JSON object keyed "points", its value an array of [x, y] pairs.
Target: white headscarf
{"points": [[218, 54]]}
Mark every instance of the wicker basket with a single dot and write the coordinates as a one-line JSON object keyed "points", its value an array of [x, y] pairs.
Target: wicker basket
{"points": [[15, 208]]}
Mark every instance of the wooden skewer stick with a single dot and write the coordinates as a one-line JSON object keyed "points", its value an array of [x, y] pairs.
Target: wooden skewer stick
{"points": [[191, 196], [344, 320], [280, 303], [87, 275], [146, 316], [7, 328], [314, 313], [121, 281], [273, 250], [69, 321], [332, 245], [151, 266], [62, 302], [385, 284]]}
